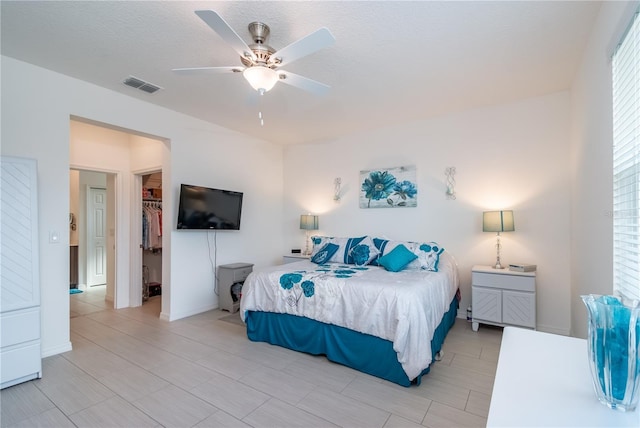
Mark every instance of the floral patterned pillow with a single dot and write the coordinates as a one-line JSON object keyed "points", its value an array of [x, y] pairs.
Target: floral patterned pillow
{"points": [[363, 252], [319, 242], [324, 254], [356, 251], [385, 246], [428, 254]]}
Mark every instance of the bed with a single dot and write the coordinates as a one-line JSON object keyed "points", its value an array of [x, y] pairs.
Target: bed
{"points": [[356, 309]]}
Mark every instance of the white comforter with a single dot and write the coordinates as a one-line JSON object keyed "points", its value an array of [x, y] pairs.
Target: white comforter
{"points": [[402, 307]]}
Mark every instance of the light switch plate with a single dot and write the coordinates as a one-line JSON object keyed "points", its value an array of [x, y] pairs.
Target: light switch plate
{"points": [[54, 237]]}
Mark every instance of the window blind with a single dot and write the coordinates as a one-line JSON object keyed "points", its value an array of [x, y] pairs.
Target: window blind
{"points": [[626, 164]]}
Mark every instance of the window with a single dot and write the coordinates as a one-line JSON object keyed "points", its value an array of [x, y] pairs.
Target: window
{"points": [[626, 164]]}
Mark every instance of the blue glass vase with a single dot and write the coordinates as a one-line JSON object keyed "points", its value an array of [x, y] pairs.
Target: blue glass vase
{"points": [[613, 343]]}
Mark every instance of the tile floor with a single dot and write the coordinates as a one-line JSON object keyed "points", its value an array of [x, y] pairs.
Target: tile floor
{"points": [[129, 369]]}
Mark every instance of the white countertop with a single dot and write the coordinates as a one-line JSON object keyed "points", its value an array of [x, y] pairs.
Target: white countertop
{"points": [[543, 380]]}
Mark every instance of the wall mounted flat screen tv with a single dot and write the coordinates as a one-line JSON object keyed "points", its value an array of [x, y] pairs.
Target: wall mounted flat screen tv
{"points": [[206, 208]]}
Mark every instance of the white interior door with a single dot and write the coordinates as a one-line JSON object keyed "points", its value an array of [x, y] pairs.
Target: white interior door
{"points": [[96, 236]]}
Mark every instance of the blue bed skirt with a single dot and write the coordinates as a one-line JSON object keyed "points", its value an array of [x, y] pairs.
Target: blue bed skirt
{"points": [[363, 352]]}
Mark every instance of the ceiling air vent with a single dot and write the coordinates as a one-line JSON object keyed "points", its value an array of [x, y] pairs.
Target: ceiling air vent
{"points": [[147, 87]]}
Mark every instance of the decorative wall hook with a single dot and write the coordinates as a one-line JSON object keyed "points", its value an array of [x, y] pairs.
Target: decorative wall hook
{"points": [[337, 184], [450, 172]]}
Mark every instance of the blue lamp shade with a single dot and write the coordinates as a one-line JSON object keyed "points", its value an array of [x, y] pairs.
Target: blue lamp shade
{"points": [[498, 221], [309, 222]]}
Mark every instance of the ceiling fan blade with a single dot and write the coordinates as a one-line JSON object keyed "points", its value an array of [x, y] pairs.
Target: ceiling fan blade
{"points": [[207, 70], [220, 26], [309, 44], [303, 83]]}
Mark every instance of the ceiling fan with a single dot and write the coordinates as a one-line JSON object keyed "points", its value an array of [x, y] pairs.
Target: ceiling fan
{"points": [[261, 63]]}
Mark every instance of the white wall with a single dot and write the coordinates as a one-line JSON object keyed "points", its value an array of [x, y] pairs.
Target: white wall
{"points": [[592, 131], [36, 109], [513, 156]]}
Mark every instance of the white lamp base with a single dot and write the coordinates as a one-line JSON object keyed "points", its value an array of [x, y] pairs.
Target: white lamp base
{"points": [[498, 265], [307, 251]]}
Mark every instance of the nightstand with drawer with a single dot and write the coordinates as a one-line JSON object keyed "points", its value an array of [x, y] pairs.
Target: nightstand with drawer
{"points": [[503, 297]]}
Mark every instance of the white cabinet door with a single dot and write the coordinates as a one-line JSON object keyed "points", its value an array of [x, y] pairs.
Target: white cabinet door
{"points": [[20, 358], [20, 266], [487, 304], [519, 308]]}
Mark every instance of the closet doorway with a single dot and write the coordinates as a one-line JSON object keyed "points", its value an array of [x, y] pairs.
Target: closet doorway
{"points": [[151, 245]]}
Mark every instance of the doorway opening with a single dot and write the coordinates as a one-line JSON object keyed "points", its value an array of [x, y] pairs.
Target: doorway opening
{"points": [[92, 236], [124, 156]]}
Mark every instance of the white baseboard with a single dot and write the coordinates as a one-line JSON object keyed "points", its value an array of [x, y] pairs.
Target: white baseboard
{"points": [[55, 350], [174, 316]]}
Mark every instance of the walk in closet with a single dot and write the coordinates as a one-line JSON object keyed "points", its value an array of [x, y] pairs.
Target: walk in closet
{"points": [[151, 236]]}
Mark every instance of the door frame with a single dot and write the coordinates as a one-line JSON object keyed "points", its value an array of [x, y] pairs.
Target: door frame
{"points": [[116, 244]]}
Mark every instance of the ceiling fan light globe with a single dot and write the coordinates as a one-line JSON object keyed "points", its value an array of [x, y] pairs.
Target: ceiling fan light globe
{"points": [[260, 78]]}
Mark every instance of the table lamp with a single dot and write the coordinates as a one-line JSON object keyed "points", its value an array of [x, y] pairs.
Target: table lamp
{"points": [[308, 222], [497, 221]]}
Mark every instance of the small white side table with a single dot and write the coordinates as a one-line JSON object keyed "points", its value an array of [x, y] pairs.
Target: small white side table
{"points": [[290, 258], [503, 297], [543, 380], [229, 276]]}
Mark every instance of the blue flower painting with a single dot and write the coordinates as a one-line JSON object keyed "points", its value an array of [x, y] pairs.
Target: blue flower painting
{"points": [[389, 188], [378, 185]]}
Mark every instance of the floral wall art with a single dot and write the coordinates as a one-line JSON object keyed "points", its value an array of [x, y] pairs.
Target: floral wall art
{"points": [[389, 188]]}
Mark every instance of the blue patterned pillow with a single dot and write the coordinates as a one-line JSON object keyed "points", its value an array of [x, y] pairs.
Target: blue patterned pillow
{"points": [[362, 253], [380, 244], [318, 242], [429, 256], [428, 253], [385, 246], [397, 259], [350, 249], [324, 254]]}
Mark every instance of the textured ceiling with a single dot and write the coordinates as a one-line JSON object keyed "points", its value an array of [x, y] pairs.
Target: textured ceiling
{"points": [[393, 62]]}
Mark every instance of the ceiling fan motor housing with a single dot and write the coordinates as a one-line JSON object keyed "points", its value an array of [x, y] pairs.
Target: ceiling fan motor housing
{"points": [[259, 34]]}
